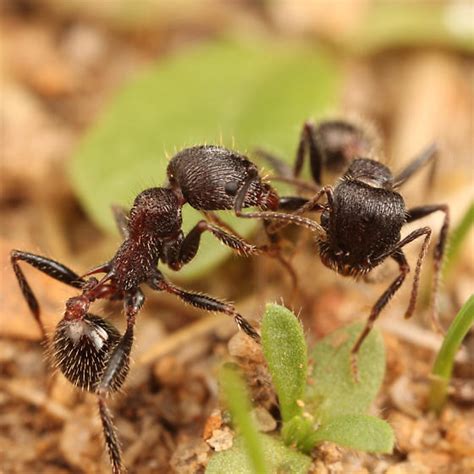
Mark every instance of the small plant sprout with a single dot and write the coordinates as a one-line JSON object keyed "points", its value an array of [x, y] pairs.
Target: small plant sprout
{"points": [[443, 365], [252, 452], [318, 401]]}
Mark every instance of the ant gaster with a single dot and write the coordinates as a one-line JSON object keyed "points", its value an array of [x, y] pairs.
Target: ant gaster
{"points": [[88, 350], [364, 214]]}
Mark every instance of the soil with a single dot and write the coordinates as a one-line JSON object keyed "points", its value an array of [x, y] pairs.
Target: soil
{"points": [[62, 63]]}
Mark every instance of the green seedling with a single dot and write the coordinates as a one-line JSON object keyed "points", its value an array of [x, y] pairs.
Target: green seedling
{"points": [[443, 365], [319, 401], [456, 240], [252, 452]]}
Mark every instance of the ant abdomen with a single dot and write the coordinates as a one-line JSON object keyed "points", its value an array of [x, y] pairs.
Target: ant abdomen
{"points": [[81, 349]]}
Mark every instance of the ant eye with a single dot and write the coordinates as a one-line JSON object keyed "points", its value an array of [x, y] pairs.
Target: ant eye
{"points": [[231, 188], [81, 349]]}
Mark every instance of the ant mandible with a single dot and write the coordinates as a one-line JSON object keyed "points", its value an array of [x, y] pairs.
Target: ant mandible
{"points": [[89, 350], [363, 215]]}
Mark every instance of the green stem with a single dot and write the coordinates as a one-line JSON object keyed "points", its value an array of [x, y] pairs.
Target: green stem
{"points": [[238, 402], [443, 365], [456, 239]]}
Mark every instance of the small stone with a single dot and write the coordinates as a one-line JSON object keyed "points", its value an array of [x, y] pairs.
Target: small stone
{"points": [[460, 435], [221, 439], [213, 422], [263, 418]]}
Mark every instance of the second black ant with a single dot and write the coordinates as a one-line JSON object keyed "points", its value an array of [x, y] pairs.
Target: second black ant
{"points": [[363, 214]]}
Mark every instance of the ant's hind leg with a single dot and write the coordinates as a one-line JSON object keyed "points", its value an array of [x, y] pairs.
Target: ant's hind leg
{"points": [[45, 265], [204, 302]]}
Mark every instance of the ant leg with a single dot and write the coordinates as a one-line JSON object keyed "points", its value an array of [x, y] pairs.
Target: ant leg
{"points": [[121, 219], [397, 254], [114, 376], [400, 258], [191, 242], [48, 266], [284, 173], [310, 205], [202, 301], [418, 213], [270, 215], [308, 139], [273, 250], [112, 379], [429, 154], [213, 218]]}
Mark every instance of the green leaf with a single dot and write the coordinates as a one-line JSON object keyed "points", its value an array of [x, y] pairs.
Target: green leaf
{"points": [[284, 348], [361, 432], [279, 459], [240, 95], [333, 390], [237, 400]]}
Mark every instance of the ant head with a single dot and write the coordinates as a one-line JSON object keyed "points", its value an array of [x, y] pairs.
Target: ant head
{"points": [[81, 349], [342, 141], [156, 211]]}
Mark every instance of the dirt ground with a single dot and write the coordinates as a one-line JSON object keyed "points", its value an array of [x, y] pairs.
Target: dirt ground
{"points": [[60, 67]]}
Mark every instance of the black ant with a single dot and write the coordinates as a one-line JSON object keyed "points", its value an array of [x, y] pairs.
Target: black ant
{"points": [[90, 351], [363, 215]]}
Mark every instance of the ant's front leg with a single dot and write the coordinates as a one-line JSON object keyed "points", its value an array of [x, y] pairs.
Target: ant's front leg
{"points": [[397, 254], [310, 205], [271, 215], [202, 301], [190, 245], [400, 258], [45, 265]]}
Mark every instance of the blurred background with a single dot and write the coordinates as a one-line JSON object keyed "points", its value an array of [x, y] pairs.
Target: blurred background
{"points": [[96, 94]]}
